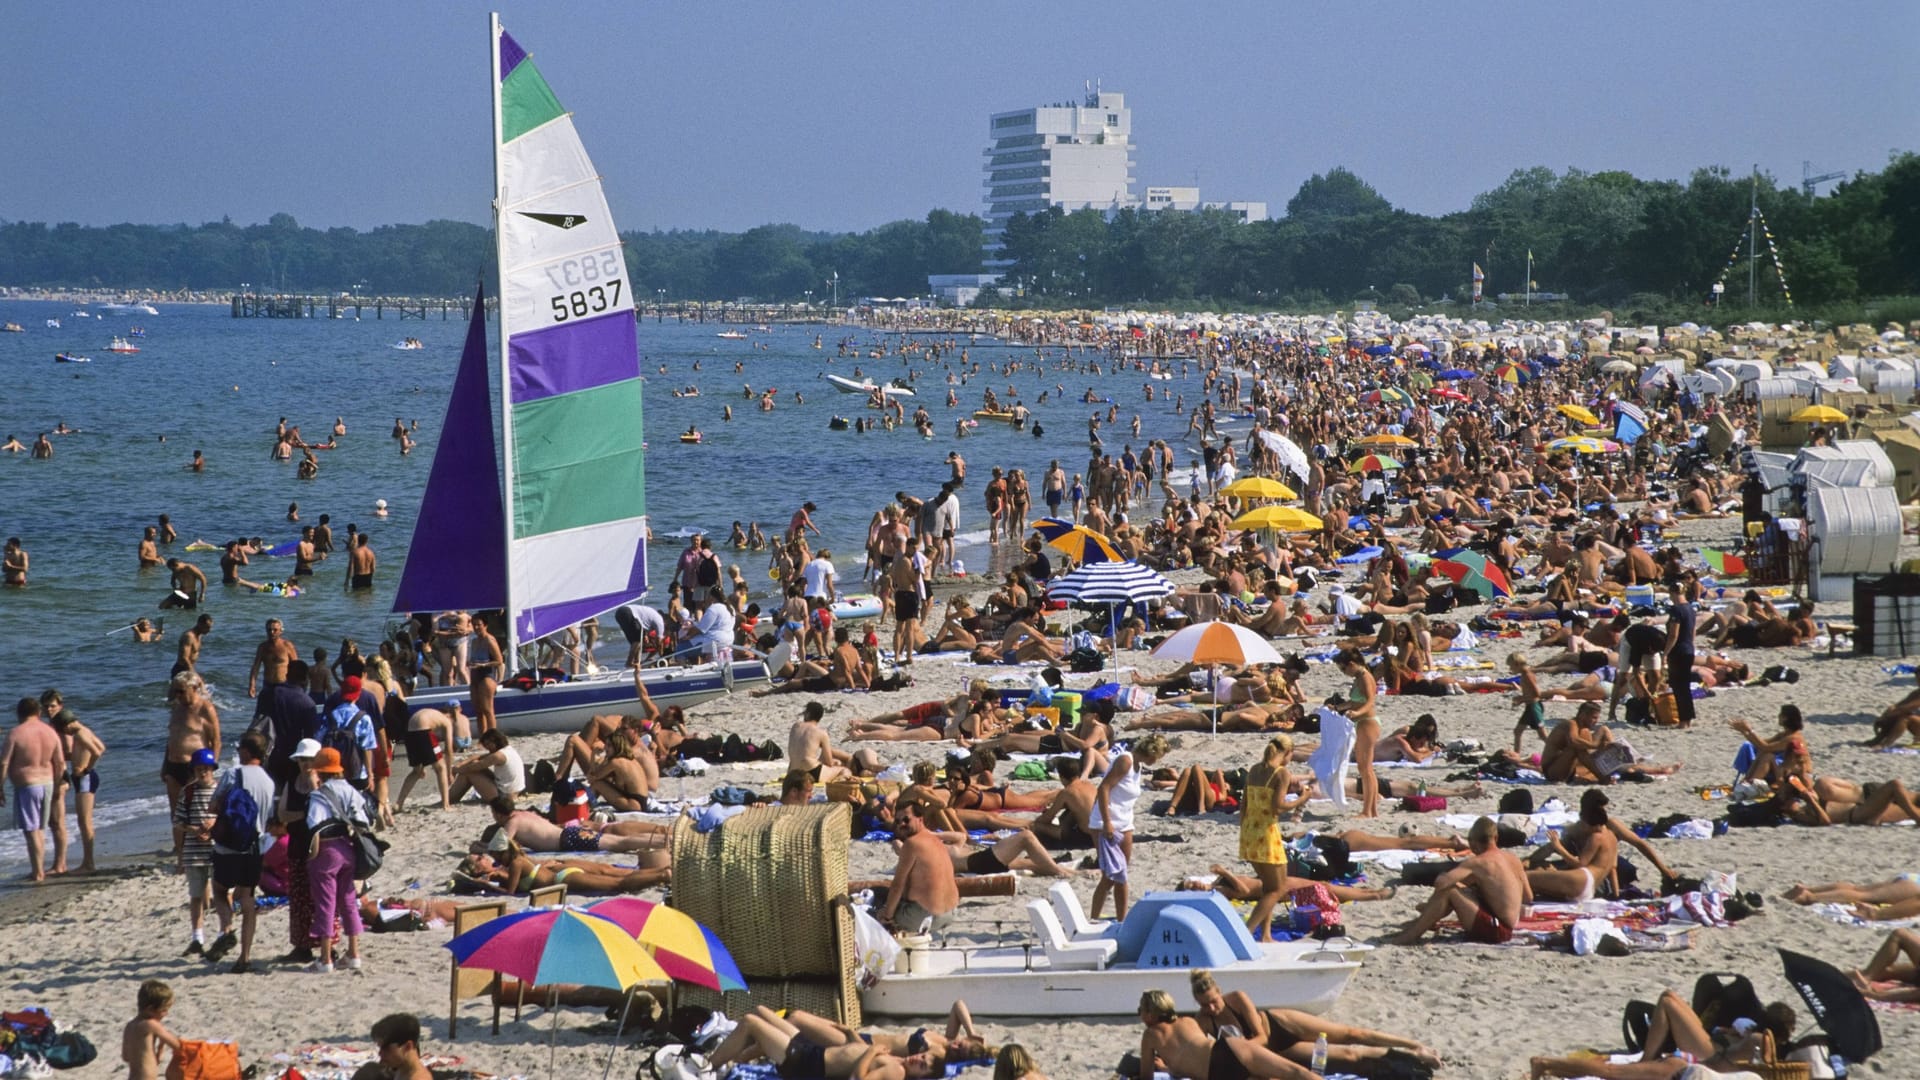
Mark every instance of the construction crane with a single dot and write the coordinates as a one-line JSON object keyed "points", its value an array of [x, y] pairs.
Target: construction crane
{"points": [[1808, 181]]}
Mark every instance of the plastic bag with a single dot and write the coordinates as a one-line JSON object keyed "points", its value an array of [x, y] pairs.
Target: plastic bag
{"points": [[875, 950]]}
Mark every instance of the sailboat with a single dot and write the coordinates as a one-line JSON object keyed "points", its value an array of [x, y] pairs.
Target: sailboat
{"points": [[551, 529]]}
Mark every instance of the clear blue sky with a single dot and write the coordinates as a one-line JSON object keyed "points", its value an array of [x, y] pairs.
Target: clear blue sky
{"points": [[843, 116]]}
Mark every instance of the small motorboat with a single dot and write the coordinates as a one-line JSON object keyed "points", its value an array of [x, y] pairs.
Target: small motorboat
{"points": [[1077, 968], [409, 344], [122, 345], [856, 606], [81, 314], [53, 324], [13, 328], [731, 335], [70, 358], [131, 307]]}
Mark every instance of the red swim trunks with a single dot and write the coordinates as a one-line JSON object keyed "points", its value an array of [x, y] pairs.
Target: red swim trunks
{"points": [[1488, 930], [924, 714]]}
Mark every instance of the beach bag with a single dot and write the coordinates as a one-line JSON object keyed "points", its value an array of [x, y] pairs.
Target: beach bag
{"points": [[1517, 801], [70, 1050], [1315, 910], [198, 1060], [1082, 661], [369, 851], [236, 817], [1666, 711], [1424, 804]]}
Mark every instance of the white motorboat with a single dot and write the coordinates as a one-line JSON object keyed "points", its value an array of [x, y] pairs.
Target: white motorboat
{"points": [[131, 307], [851, 386], [731, 335], [1099, 969], [122, 345]]}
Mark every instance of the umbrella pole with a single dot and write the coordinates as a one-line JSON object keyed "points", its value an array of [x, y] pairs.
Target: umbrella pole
{"points": [[553, 1031], [619, 1031]]}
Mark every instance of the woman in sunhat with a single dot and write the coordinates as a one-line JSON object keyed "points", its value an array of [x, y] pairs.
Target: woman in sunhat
{"points": [[334, 810]]}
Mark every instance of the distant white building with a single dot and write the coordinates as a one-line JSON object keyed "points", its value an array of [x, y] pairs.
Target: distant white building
{"points": [[1076, 157], [959, 290], [1187, 200]]}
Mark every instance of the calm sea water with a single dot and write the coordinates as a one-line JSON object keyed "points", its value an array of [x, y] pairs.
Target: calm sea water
{"points": [[203, 380]]}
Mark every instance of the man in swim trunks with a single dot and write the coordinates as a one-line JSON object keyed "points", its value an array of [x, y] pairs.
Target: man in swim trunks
{"points": [[1066, 822], [360, 564], [535, 833], [810, 749], [193, 724], [32, 756], [270, 661], [1587, 855], [190, 643], [1488, 891], [800, 1058], [923, 895], [82, 749], [189, 585]]}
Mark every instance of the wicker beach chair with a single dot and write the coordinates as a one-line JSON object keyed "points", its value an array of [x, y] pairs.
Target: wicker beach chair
{"points": [[471, 982], [772, 883]]}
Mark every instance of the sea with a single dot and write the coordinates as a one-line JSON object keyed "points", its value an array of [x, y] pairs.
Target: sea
{"points": [[206, 381]]}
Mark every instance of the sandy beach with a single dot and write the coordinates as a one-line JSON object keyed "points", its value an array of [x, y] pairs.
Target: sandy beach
{"points": [[81, 952]]}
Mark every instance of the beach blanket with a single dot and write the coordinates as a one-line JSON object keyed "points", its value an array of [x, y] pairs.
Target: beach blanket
{"points": [[1546, 819], [1434, 762], [761, 1070], [1394, 860], [1843, 914]]}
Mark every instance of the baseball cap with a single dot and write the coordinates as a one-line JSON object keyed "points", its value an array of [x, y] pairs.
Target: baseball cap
{"points": [[204, 756], [350, 687], [307, 748]]}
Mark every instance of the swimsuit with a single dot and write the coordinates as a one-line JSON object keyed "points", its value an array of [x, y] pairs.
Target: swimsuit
{"points": [[984, 861], [805, 1060], [361, 581], [86, 783], [180, 772], [30, 806], [926, 714], [573, 838], [1488, 930], [1223, 1065]]}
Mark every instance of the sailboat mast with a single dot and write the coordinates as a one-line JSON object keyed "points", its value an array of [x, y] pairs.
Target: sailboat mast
{"points": [[509, 647]]}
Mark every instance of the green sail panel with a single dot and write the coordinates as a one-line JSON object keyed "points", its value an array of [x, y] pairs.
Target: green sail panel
{"points": [[579, 459], [526, 102]]}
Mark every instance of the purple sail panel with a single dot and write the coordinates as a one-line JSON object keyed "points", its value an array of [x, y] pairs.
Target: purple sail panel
{"points": [[510, 55], [533, 623], [573, 356], [458, 557]]}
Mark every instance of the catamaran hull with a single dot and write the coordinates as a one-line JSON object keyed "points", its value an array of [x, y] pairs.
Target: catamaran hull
{"points": [[564, 706], [849, 386], [995, 984]]}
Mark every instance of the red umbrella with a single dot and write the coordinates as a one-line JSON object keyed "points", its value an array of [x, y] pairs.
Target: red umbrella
{"points": [[1449, 393], [1475, 571]]}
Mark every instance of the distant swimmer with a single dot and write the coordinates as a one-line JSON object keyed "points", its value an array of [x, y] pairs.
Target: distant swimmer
{"points": [[199, 462], [399, 429], [167, 535], [13, 445], [150, 548], [42, 447], [379, 508], [148, 630], [188, 656], [309, 465], [13, 564], [360, 564], [339, 425], [189, 585]]}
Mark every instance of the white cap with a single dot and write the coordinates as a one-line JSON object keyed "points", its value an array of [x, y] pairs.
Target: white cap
{"points": [[1335, 589], [379, 504], [307, 748]]}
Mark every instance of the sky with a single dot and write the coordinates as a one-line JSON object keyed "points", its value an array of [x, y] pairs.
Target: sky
{"points": [[737, 113]]}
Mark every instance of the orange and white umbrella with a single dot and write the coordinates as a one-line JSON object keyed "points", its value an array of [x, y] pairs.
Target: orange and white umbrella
{"points": [[1218, 643]]}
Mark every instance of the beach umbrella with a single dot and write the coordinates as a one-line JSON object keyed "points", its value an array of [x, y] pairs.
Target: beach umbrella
{"points": [[1838, 1006], [1258, 487], [1384, 439], [1211, 643], [1292, 458], [550, 946], [1389, 395], [1471, 569], [1379, 350], [1080, 543], [1819, 414], [1115, 584], [1629, 421], [1512, 373], [1461, 374], [1580, 413], [1724, 563], [1579, 444], [1618, 367], [1279, 519], [1370, 462], [687, 951], [1414, 346], [1448, 393]]}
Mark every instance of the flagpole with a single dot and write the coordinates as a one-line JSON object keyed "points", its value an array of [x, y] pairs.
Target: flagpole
{"points": [[1529, 277]]}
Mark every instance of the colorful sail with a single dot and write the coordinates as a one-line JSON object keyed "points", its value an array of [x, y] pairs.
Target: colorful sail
{"points": [[575, 463], [457, 560]]}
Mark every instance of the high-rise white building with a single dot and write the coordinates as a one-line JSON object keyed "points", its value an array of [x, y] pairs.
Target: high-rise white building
{"points": [[1074, 156]]}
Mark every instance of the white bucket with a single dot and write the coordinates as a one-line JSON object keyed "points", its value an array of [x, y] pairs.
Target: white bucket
{"points": [[914, 953]]}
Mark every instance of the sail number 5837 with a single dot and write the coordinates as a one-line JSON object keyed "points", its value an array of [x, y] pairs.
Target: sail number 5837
{"points": [[588, 301]]}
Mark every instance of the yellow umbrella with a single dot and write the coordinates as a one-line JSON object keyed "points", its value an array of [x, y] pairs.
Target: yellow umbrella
{"points": [[1384, 439], [1819, 414], [1279, 518], [1580, 413], [1258, 487]]}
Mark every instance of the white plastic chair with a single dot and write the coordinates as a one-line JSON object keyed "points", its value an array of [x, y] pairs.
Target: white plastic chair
{"points": [[1062, 953], [1073, 917]]}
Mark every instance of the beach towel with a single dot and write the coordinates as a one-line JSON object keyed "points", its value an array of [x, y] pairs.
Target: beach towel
{"points": [[1843, 914], [1334, 756]]}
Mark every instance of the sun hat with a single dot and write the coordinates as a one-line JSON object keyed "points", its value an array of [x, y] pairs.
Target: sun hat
{"points": [[306, 749], [204, 756], [327, 761]]}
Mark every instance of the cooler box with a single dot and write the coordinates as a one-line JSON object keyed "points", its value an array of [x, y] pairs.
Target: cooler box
{"points": [[1068, 702], [1640, 596]]}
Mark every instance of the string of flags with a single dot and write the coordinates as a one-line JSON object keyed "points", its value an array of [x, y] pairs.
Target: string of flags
{"points": [[1773, 249]]}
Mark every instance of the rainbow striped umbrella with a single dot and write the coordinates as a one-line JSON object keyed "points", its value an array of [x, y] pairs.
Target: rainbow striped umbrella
{"points": [[1370, 462], [686, 950], [545, 946]]}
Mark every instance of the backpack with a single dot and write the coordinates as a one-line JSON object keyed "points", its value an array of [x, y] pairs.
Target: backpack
{"points": [[236, 818], [340, 734], [708, 573], [1085, 660]]}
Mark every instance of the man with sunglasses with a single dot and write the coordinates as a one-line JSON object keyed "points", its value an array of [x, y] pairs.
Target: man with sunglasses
{"points": [[396, 1037]]}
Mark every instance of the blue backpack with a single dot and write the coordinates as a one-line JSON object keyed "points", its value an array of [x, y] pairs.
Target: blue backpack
{"points": [[236, 820], [341, 732]]}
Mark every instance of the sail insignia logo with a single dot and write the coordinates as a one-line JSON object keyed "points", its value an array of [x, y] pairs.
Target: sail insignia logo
{"points": [[558, 221]]}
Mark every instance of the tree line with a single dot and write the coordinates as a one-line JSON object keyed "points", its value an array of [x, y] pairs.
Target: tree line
{"points": [[1597, 238]]}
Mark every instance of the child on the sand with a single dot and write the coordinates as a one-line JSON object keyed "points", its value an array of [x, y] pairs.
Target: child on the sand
{"points": [[144, 1036]]}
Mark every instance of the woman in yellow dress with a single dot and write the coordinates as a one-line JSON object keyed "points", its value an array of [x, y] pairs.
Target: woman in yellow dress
{"points": [[1270, 793]]}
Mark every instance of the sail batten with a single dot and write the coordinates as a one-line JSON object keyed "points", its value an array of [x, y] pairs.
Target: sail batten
{"points": [[575, 461]]}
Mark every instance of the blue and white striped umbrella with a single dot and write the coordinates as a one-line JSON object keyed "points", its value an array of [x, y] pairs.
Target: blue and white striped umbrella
{"points": [[1109, 583]]}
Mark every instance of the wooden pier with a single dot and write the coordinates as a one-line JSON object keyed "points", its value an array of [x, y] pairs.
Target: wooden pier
{"points": [[294, 306]]}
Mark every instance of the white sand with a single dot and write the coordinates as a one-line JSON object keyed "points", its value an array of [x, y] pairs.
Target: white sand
{"points": [[1486, 1012]]}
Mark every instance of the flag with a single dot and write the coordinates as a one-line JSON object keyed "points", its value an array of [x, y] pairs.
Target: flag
{"points": [[1724, 563], [1478, 277]]}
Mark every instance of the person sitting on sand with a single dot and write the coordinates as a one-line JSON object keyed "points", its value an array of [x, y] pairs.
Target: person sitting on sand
{"points": [[1574, 865], [779, 1040], [1180, 1046], [146, 1035], [1065, 823], [506, 868], [1901, 718], [1568, 757], [1894, 972], [1417, 743], [1292, 1033], [628, 775], [1488, 892], [1023, 642], [1679, 1045]]}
